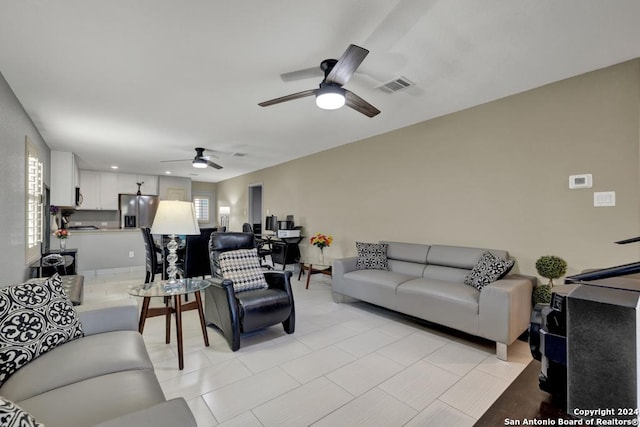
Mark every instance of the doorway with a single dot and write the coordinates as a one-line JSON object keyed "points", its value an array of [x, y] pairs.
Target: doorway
{"points": [[254, 215]]}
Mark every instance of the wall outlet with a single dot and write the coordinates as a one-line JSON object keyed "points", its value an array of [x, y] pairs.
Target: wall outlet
{"points": [[131, 254], [103, 223]]}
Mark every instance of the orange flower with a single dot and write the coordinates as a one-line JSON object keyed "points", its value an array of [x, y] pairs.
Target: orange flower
{"points": [[321, 240]]}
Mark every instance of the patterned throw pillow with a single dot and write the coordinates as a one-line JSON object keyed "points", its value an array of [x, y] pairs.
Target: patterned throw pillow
{"points": [[11, 415], [372, 256], [489, 268], [34, 318], [242, 266]]}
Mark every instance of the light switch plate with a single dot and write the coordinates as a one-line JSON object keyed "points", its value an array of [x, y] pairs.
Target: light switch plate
{"points": [[604, 198]]}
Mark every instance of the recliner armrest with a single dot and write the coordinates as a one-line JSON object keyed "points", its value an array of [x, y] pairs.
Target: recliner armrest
{"points": [[119, 315], [174, 412], [279, 280]]}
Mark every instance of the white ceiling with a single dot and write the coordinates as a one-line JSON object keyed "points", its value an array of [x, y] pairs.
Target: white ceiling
{"points": [[134, 82]]}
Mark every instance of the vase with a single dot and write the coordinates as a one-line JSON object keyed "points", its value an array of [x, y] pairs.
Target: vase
{"points": [[63, 244], [321, 256]]}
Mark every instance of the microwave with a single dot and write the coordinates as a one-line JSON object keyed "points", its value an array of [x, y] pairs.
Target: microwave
{"points": [[79, 197]]}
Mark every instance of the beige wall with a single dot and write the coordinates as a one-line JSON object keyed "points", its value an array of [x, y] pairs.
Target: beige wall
{"points": [[495, 176], [206, 189]]}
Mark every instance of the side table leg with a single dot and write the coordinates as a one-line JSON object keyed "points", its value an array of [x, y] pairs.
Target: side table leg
{"points": [[167, 316], [309, 275], [143, 313], [178, 305], [203, 323]]}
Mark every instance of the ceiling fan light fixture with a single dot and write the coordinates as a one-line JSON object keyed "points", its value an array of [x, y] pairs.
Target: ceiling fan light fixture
{"points": [[330, 97], [199, 163]]}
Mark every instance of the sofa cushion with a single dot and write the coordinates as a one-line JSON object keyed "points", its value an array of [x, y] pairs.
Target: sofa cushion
{"points": [[78, 360], [372, 256], [374, 286], [441, 272], [488, 269], [11, 415], [411, 252], [459, 256], [34, 319], [242, 266], [96, 400], [454, 305]]}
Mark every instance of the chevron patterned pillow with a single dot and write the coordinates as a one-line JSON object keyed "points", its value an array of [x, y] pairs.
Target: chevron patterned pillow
{"points": [[242, 266]]}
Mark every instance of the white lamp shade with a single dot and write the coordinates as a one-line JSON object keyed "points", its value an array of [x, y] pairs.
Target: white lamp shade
{"points": [[224, 210], [175, 217]]}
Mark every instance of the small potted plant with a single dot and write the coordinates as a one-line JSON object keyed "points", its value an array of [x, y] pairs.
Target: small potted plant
{"points": [[550, 267]]}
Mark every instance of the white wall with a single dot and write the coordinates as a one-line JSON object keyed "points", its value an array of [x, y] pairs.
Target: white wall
{"points": [[15, 124]]}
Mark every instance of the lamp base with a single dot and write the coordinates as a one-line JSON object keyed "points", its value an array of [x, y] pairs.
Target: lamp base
{"points": [[172, 284]]}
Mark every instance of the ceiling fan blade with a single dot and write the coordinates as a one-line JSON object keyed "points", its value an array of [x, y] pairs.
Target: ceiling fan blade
{"points": [[307, 73], [347, 65], [288, 98], [178, 160], [354, 101], [213, 165]]}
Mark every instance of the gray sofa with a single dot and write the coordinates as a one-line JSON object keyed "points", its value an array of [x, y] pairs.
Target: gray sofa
{"points": [[105, 378], [427, 282]]}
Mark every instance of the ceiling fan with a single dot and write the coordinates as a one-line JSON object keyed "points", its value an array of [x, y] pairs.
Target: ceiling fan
{"points": [[199, 161], [331, 95]]}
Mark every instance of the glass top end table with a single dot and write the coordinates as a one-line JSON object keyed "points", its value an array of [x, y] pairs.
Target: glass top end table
{"points": [[314, 266], [160, 290], [164, 289]]}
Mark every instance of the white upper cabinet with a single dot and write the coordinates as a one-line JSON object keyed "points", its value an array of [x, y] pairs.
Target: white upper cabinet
{"points": [[128, 184], [64, 178], [109, 191], [100, 190], [90, 190]]}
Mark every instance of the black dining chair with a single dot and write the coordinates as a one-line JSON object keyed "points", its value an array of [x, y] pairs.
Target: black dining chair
{"points": [[263, 246], [196, 258], [235, 311], [153, 256]]}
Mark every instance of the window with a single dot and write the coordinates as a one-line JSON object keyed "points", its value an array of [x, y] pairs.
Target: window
{"points": [[203, 208], [34, 208]]}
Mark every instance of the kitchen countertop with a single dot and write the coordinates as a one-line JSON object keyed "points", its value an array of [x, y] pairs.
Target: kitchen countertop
{"points": [[104, 230]]}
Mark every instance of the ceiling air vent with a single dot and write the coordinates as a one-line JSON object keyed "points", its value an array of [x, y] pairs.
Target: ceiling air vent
{"points": [[395, 85]]}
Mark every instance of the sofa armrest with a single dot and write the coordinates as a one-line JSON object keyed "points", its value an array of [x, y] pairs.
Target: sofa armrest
{"points": [[505, 308], [339, 268], [118, 315], [174, 412]]}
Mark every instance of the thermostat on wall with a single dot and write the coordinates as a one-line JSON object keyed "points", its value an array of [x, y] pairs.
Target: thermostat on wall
{"points": [[581, 181]]}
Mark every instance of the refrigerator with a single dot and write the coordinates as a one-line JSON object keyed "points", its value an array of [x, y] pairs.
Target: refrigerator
{"points": [[137, 210]]}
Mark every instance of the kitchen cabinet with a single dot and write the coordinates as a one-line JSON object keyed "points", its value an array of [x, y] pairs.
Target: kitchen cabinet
{"points": [[90, 189], [109, 191], [99, 190], [64, 178], [127, 184]]}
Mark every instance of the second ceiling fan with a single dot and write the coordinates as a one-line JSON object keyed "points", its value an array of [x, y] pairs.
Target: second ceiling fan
{"points": [[331, 95], [199, 161]]}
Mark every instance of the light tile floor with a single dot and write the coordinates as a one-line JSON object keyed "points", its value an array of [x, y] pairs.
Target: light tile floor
{"points": [[349, 364]]}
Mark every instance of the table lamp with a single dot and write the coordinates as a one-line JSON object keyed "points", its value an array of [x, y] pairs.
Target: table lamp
{"points": [[174, 217]]}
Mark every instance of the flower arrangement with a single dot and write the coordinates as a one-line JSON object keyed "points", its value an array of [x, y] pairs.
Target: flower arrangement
{"points": [[61, 233], [321, 240]]}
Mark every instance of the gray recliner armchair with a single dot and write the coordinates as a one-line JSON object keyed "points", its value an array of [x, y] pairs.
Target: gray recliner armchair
{"points": [[235, 312]]}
